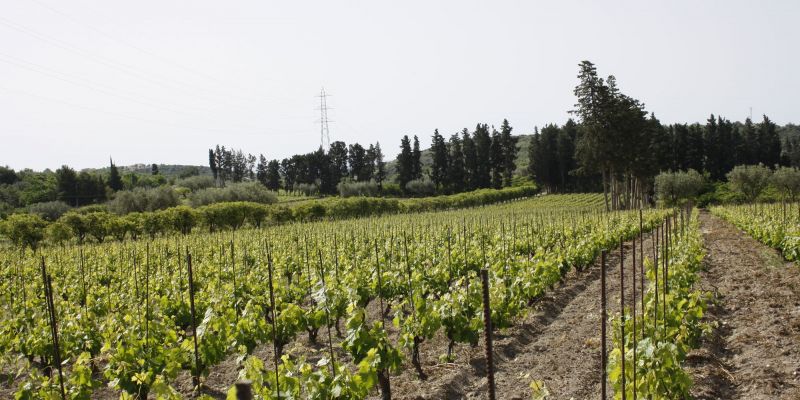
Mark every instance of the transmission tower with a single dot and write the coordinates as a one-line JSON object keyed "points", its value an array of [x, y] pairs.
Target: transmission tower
{"points": [[324, 131]]}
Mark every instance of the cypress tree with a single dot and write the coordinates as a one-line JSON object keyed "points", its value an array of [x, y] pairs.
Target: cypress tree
{"points": [[509, 152], [439, 171], [455, 166], [496, 159], [470, 161], [405, 169], [114, 179], [416, 160], [483, 154]]}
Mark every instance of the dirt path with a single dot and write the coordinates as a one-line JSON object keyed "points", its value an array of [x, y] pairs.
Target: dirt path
{"points": [[755, 351], [558, 343]]}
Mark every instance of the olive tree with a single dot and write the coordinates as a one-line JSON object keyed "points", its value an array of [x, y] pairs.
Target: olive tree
{"points": [[749, 180], [787, 181], [673, 188]]}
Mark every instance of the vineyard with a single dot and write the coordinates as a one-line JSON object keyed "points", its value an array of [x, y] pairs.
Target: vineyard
{"points": [[776, 225], [354, 308]]}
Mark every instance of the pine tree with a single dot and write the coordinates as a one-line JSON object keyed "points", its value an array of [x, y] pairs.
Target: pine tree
{"points": [[455, 166], [440, 156], [416, 160], [154, 169], [114, 179]]}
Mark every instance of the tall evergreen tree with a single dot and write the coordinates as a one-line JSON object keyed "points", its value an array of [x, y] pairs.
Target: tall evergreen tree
{"points": [[338, 155], [114, 179], [357, 158], [416, 160], [212, 163], [273, 175], [261, 170], [380, 166], [405, 168], [439, 154], [154, 169], [455, 167], [67, 185], [509, 152], [565, 153], [496, 159], [769, 143], [369, 163], [470, 161], [483, 154]]}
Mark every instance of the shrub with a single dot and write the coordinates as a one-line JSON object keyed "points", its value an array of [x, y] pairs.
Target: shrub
{"points": [[364, 189], [141, 200], [182, 218], [421, 187], [233, 215], [247, 191], [50, 210], [307, 189], [195, 183]]}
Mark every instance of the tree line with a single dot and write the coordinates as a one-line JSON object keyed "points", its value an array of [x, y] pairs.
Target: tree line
{"points": [[465, 162], [617, 145]]}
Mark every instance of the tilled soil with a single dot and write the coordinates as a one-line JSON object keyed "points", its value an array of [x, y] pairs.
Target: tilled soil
{"points": [[558, 343], [754, 353]]}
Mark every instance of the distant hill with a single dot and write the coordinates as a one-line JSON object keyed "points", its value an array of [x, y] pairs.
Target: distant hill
{"points": [[168, 170]]}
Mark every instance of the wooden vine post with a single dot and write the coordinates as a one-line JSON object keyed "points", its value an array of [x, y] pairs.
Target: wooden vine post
{"points": [[603, 317], [276, 350], [196, 372], [622, 309], [51, 310], [487, 324]]}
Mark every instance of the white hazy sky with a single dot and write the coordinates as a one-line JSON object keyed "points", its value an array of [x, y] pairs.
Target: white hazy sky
{"points": [[162, 81]]}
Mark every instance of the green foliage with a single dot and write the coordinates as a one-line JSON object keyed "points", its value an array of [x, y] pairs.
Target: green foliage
{"points": [[196, 182], [749, 180], [50, 211], [24, 230], [787, 181], [238, 192], [673, 188], [141, 200]]}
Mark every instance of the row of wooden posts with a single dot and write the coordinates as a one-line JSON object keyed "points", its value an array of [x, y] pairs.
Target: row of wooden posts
{"points": [[662, 237]]}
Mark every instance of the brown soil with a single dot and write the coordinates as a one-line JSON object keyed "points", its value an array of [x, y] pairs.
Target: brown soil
{"points": [[558, 343], [754, 353]]}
